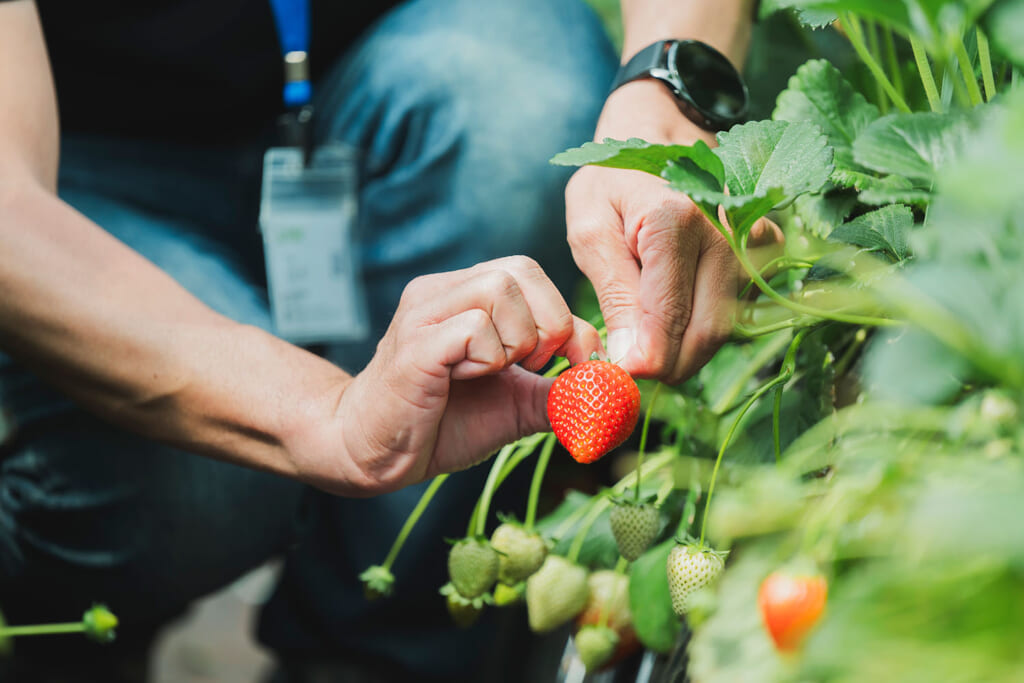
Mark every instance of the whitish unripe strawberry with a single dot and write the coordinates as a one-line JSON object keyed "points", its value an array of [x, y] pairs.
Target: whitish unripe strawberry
{"points": [[556, 593], [690, 569], [473, 567], [522, 552], [595, 645], [635, 527]]}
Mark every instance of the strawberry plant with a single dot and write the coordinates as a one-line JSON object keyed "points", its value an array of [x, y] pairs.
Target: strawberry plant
{"points": [[865, 419]]}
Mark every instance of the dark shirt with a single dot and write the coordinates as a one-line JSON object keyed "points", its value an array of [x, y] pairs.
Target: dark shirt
{"points": [[187, 70]]}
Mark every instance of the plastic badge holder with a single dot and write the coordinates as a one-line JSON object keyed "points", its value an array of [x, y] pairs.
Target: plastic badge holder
{"points": [[308, 221]]}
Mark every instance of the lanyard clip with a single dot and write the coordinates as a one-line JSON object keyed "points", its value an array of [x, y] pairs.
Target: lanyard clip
{"points": [[297, 130]]}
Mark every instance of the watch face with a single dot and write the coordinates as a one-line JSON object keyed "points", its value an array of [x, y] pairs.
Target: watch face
{"points": [[711, 81]]}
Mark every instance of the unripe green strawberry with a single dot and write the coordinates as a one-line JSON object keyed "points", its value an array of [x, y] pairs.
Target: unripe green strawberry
{"points": [[593, 407], [690, 569], [556, 593], [634, 527], [522, 552], [595, 646], [473, 567]]}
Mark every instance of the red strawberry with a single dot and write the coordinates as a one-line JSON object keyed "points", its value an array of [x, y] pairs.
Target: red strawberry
{"points": [[593, 407], [791, 605]]}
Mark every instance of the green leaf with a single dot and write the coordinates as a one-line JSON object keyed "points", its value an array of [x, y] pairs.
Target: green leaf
{"points": [[811, 18], [705, 191], [912, 367], [819, 94], [762, 156], [886, 230], [1004, 24], [639, 155], [819, 214], [914, 146], [656, 624], [888, 11]]}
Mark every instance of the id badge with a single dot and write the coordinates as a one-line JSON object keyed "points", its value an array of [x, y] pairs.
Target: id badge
{"points": [[308, 220]]}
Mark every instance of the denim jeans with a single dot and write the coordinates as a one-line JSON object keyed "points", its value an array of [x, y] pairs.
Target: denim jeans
{"points": [[455, 107]]}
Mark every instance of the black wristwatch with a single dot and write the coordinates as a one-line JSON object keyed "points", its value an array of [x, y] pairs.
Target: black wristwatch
{"points": [[707, 87]]}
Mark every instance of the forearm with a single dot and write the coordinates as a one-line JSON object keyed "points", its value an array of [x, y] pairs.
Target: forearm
{"points": [[723, 24], [114, 332], [645, 108]]}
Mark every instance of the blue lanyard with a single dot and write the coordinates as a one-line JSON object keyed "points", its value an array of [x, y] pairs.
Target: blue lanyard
{"points": [[292, 19]]}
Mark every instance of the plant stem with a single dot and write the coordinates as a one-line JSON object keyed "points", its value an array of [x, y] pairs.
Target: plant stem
{"points": [[42, 629], [772, 294], [967, 71], [643, 440], [581, 535], [785, 373], [890, 57], [413, 517], [985, 59], [478, 522], [872, 36], [776, 431], [538, 477], [927, 78], [854, 32]]}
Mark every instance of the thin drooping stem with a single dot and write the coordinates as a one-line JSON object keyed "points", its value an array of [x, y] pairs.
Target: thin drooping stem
{"points": [[892, 59], [854, 32], [411, 520], [643, 440], [785, 373], [927, 78], [872, 41], [967, 70], [581, 535], [985, 59], [478, 522], [538, 478], [776, 430], [42, 629]]}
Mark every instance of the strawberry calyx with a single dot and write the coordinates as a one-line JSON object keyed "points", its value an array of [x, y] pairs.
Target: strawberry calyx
{"points": [[378, 582], [464, 611]]}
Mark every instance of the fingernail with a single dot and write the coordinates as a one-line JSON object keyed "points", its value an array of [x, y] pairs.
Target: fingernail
{"points": [[619, 343]]}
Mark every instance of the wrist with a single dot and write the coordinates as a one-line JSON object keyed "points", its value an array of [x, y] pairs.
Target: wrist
{"points": [[646, 109]]}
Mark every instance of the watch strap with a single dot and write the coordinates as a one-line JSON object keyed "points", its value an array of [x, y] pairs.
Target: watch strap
{"points": [[654, 56]]}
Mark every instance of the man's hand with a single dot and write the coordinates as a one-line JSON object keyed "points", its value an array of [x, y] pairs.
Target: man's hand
{"points": [[665, 277], [443, 390]]}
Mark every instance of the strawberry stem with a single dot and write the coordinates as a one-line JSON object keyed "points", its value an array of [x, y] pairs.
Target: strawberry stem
{"points": [[478, 522], [643, 439], [413, 517], [42, 629], [538, 478], [785, 374], [581, 535]]}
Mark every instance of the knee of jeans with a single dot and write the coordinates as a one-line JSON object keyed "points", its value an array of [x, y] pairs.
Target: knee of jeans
{"points": [[492, 111]]}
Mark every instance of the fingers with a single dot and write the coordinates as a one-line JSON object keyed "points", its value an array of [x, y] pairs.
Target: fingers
{"points": [[482, 319], [595, 233], [670, 244]]}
